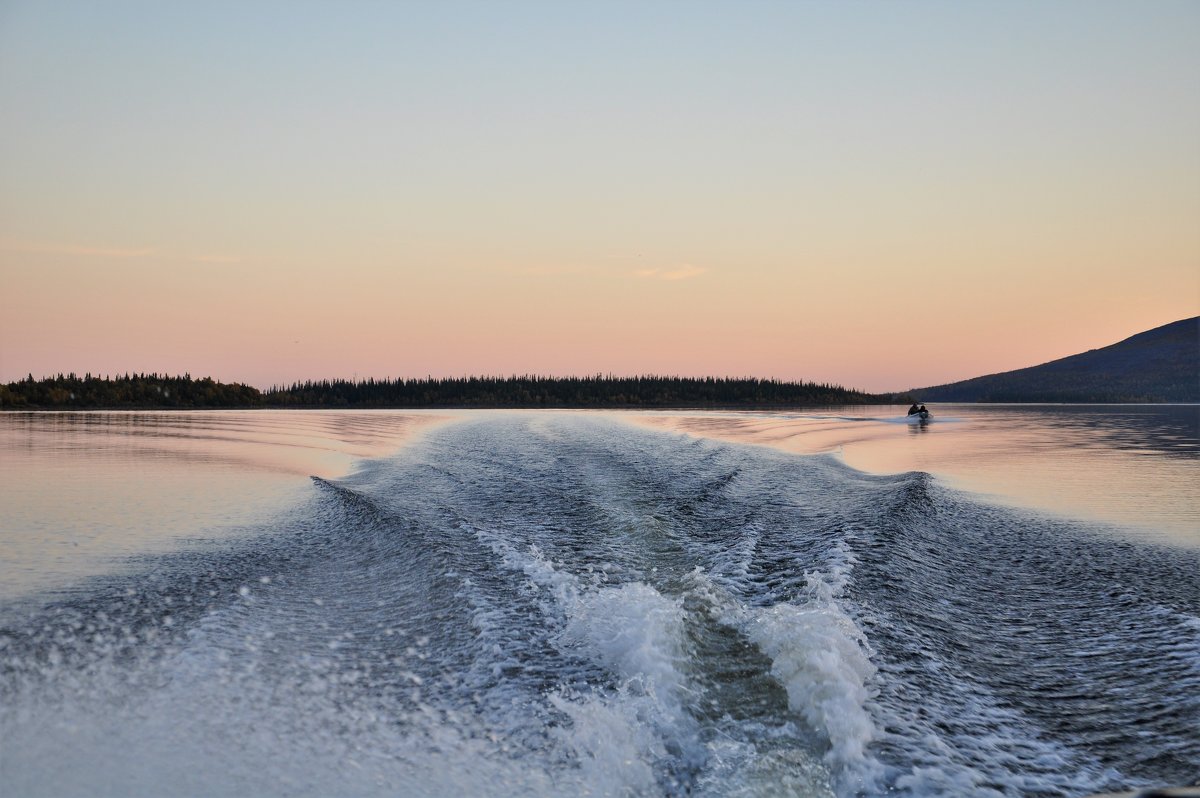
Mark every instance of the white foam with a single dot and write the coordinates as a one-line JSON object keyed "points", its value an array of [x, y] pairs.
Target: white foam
{"points": [[818, 654], [821, 658], [739, 769], [612, 747], [637, 635], [201, 725]]}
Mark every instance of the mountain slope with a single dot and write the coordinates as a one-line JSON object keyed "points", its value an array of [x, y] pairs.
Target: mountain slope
{"points": [[1159, 365]]}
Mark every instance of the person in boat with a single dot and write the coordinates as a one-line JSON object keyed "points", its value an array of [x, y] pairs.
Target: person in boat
{"points": [[912, 411], [923, 412]]}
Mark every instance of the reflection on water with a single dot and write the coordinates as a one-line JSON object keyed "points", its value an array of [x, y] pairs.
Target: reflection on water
{"points": [[82, 490], [1137, 466]]}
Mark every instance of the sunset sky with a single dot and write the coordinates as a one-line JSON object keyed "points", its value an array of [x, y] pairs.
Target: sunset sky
{"points": [[883, 195]]}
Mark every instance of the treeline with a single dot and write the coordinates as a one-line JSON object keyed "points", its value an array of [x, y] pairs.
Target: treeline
{"points": [[130, 391], [148, 391], [534, 391]]}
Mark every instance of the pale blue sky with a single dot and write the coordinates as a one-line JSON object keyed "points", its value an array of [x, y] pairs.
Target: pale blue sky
{"points": [[509, 159]]}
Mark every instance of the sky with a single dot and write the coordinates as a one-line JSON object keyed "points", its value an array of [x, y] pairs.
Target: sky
{"points": [[881, 195]]}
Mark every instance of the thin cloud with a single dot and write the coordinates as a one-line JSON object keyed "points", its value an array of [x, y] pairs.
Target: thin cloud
{"points": [[678, 273], [553, 271]]}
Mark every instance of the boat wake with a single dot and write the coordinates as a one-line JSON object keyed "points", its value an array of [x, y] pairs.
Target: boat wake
{"points": [[563, 604]]}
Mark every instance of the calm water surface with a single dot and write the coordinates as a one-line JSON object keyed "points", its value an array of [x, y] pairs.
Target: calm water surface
{"points": [[1002, 602], [83, 492]]}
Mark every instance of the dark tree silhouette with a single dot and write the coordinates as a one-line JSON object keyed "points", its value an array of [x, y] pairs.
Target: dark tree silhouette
{"points": [[135, 391]]}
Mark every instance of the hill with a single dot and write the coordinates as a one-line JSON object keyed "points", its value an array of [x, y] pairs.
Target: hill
{"points": [[1159, 365]]}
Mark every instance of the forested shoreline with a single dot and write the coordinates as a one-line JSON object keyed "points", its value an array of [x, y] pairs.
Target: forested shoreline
{"points": [[154, 391]]}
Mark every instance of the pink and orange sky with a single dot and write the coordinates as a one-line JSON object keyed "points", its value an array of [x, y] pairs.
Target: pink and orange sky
{"points": [[880, 195]]}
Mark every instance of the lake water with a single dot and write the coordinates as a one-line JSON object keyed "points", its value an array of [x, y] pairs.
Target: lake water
{"points": [[1133, 466], [1004, 601]]}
